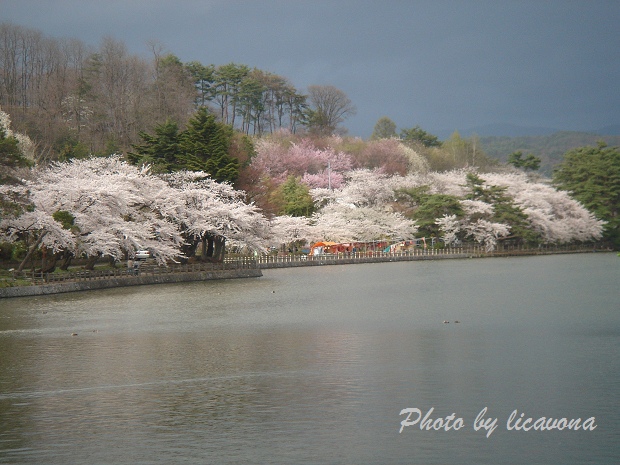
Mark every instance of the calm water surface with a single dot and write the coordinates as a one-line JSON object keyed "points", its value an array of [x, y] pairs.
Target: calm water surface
{"points": [[313, 365]]}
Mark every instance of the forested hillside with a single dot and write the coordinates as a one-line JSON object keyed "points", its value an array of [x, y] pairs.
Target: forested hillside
{"points": [[74, 100], [105, 153]]}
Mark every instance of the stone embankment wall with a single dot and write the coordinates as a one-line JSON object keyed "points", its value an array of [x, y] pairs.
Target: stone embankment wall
{"points": [[122, 281]]}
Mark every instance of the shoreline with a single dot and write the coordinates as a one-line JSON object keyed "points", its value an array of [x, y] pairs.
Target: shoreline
{"points": [[125, 281], [252, 268]]}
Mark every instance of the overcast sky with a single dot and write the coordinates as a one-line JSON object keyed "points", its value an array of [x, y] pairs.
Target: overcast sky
{"points": [[443, 65]]}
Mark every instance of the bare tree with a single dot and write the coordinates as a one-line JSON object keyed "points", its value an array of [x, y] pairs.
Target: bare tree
{"points": [[173, 93], [329, 107], [118, 84]]}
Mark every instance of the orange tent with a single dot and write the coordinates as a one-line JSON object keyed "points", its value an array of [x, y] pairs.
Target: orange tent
{"points": [[322, 247], [331, 247]]}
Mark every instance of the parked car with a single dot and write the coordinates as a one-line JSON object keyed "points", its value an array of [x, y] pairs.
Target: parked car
{"points": [[143, 254]]}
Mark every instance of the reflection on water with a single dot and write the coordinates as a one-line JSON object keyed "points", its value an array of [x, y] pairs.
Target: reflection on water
{"points": [[314, 365]]}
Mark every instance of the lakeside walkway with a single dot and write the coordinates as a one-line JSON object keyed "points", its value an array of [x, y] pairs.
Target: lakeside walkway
{"points": [[290, 260], [37, 283]]}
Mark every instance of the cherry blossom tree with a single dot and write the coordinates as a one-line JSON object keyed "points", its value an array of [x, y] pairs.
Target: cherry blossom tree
{"points": [[473, 225], [318, 167], [26, 145], [211, 213], [359, 210], [290, 229], [390, 156], [506, 204], [362, 188], [114, 208], [349, 223], [476, 207], [450, 226], [16, 156], [486, 232], [551, 214], [104, 206]]}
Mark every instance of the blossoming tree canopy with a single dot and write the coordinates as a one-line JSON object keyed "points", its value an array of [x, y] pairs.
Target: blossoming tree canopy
{"points": [[357, 211], [209, 212], [346, 223], [513, 200], [105, 206], [287, 229], [317, 166], [16, 152], [113, 207], [486, 208]]}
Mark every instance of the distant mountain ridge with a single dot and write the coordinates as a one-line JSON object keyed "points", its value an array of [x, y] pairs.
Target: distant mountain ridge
{"points": [[510, 130], [549, 144], [549, 148], [513, 130]]}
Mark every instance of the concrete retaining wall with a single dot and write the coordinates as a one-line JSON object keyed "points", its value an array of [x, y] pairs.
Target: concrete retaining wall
{"points": [[58, 288]]}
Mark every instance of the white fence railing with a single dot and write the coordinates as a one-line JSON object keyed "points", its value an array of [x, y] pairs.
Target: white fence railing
{"points": [[284, 260]]}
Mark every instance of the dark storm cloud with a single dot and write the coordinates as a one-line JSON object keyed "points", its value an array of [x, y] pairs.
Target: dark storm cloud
{"points": [[439, 64]]}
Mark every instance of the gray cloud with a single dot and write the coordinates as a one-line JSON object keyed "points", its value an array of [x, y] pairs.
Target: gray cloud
{"points": [[439, 64]]}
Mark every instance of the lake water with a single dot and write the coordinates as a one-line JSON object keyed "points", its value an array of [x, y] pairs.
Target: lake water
{"points": [[314, 365]]}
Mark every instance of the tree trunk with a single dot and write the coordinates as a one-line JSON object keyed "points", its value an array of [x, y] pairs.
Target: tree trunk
{"points": [[90, 262], [219, 249], [213, 248], [205, 246], [49, 266], [189, 247], [66, 260], [31, 250]]}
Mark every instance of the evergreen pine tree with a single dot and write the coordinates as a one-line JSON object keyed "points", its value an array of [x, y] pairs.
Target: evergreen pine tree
{"points": [[205, 145], [159, 150]]}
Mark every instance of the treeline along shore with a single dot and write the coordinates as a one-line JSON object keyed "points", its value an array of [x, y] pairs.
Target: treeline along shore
{"points": [[106, 154], [37, 283]]}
